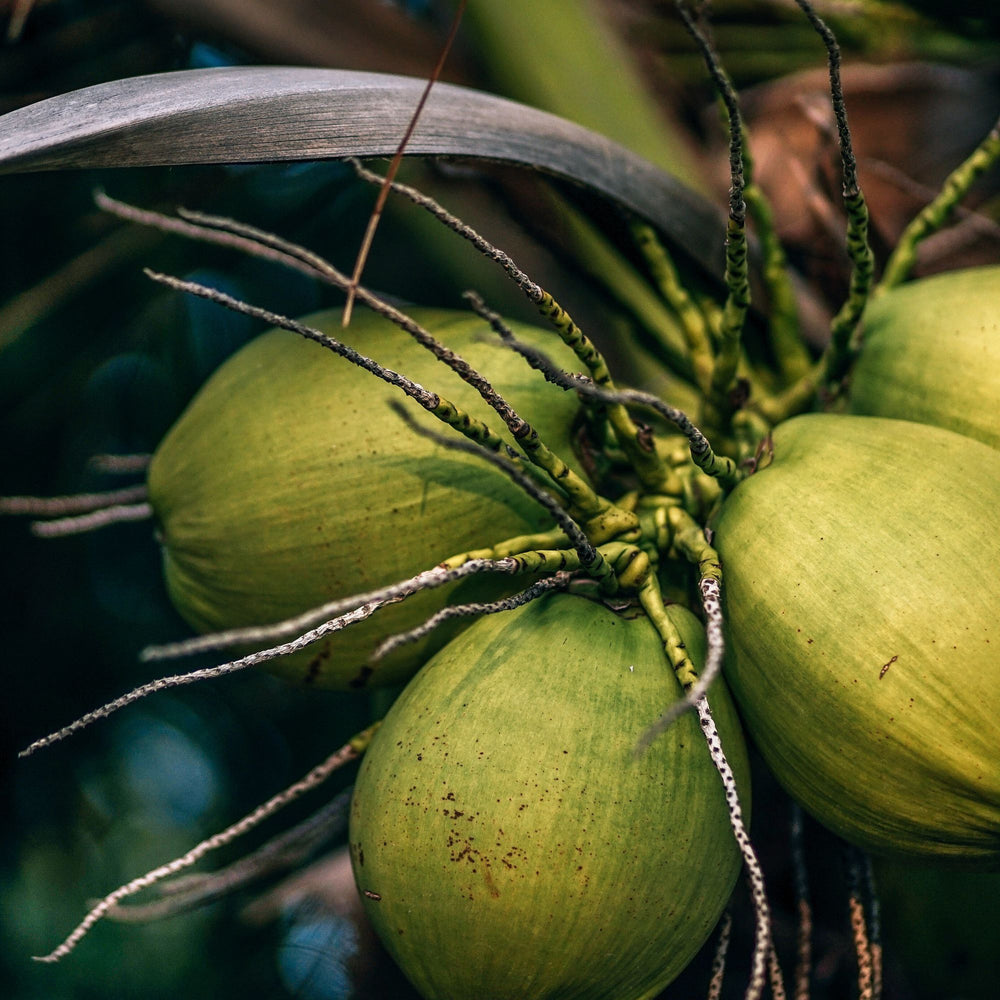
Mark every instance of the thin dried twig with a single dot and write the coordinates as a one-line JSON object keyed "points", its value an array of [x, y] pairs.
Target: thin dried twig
{"points": [[762, 957], [558, 581], [279, 854], [350, 751], [120, 514], [719, 959], [397, 159], [253, 634], [376, 600], [77, 503]]}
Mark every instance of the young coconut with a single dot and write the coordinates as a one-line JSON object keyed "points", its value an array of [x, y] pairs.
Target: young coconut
{"points": [[506, 836], [931, 353], [289, 482], [862, 646]]}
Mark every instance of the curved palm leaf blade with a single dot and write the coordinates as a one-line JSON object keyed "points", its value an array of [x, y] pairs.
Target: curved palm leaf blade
{"points": [[267, 114]]}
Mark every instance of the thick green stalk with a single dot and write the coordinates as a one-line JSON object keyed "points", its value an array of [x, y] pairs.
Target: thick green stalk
{"points": [[790, 351], [692, 320], [842, 348], [597, 258]]}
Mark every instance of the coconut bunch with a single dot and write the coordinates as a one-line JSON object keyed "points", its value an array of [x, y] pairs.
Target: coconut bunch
{"points": [[589, 592]]}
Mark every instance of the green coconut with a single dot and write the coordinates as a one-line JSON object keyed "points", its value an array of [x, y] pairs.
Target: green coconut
{"points": [[862, 604], [508, 841], [289, 482], [931, 353]]}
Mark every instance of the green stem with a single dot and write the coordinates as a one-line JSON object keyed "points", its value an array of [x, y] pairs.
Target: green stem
{"points": [[692, 320], [636, 446], [718, 407], [842, 349], [790, 351], [936, 214], [673, 645], [689, 540], [529, 561], [616, 276]]}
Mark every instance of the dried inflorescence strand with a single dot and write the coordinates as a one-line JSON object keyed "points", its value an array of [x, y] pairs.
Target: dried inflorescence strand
{"points": [[119, 514], [226, 233], [347, 753], [474, 609], [763, 965], [874, 924], [859, 929], [359, 612], [78, 503], [719, 959], [255, 634], [120, 465], [288, 850], [803, 964], [865, 917], [775, 979], [80, 512]]}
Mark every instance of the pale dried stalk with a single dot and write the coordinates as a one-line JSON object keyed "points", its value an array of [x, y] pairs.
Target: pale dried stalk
{"points": [[375, 601], [350, 751], [75, 503], [719, 960], [558, 581], [121, 514], [762, 954], [253, 634]]}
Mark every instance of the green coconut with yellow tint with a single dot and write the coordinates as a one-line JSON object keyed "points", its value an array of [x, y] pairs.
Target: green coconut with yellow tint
{"points": [[931, 353], [863, 637], [290, 482], [507, 838]]}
